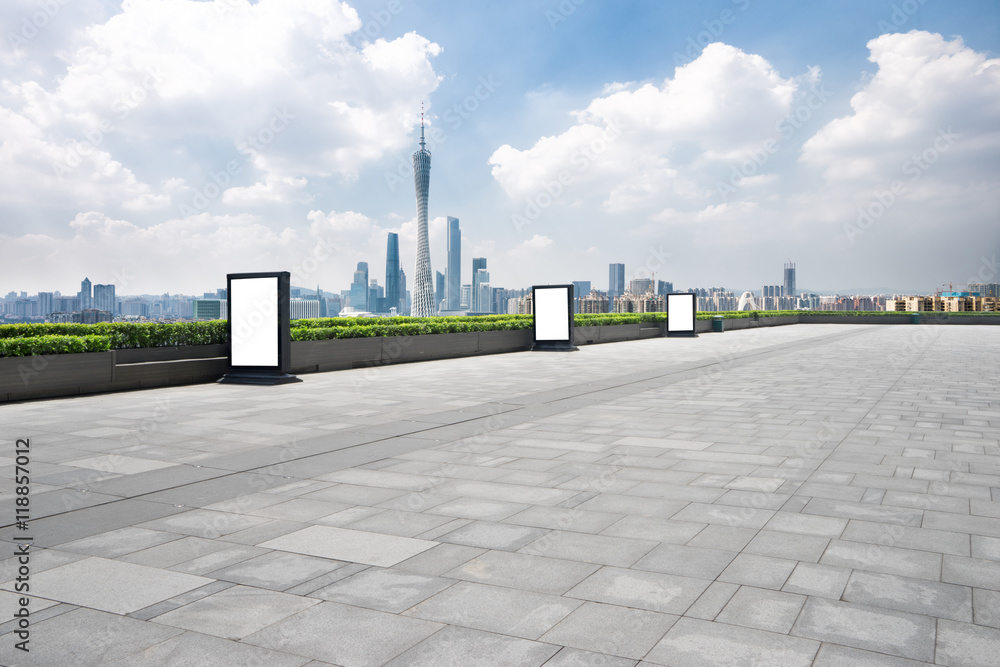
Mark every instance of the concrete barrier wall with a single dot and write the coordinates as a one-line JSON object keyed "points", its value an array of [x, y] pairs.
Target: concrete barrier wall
{"points": [[49, 376]]}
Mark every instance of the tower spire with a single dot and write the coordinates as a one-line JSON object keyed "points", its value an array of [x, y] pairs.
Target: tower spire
{"points": [[421, 125]]}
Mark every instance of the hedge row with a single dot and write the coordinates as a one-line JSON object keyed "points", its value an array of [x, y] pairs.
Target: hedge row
{"points": [[127, 335], [38, 345]]}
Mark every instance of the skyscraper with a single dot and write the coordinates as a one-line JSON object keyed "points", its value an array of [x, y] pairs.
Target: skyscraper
{"points": [[478, 263], [359, 288], [86, 296], [423, 285], [392, 272], [616, 280], [481, 295], [453, 294], [789, 279], [104, 297], [439, 291]]}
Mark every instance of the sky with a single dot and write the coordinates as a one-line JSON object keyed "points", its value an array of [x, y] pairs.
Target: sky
{"points": [[161, 144]]}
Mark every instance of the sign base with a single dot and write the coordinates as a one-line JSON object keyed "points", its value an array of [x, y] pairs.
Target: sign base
{"points": [[681, 334], [266, 378], [545, 346]]}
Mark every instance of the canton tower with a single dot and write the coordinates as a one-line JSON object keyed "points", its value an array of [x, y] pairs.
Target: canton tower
{"points": [[423, 288]]}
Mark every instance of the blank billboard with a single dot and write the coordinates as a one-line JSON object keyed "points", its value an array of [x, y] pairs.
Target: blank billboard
{"points": [[253, 316], [680, 313], [552, 313]]}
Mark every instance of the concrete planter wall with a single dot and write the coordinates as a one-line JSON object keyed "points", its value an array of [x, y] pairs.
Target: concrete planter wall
{"points": [[23, 378]]}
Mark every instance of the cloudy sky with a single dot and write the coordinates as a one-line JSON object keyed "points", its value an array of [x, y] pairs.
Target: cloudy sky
{"points": [[160, 144]]}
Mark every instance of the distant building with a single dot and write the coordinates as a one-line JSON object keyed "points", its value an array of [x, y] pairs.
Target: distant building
{"points": [[453, 275], [640, 286], [616, 280], [789, 285], [392, 268], [440, 300], [466, 297], [303, 309], [201, 309], [594, 303], [104, 298], [45, 303], [359, 288], [641, 303], [86, 295]]}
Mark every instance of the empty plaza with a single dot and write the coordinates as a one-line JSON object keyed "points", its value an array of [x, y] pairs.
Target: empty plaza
{"points": [[795, 495]]}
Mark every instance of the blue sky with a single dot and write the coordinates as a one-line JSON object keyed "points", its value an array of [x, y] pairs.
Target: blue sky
{"points": [[565, 136]]}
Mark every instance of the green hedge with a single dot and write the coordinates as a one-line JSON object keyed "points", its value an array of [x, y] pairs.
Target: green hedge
{"points": [[25, 346], [126, 335]]}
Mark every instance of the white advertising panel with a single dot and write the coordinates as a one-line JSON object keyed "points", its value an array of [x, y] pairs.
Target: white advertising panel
{"points": [[552, 313], [253, 317], [680, 312]]}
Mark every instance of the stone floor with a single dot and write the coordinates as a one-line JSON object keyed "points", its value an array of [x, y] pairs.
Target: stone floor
{"points": [[801, 495]]}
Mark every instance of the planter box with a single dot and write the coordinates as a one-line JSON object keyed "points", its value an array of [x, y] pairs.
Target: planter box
{"points": [[143, 355], [316, 356], [46, 376]]}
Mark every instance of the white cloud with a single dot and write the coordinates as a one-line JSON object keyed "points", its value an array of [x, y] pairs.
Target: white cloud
{"points": [[534, 246], [155, 99]]}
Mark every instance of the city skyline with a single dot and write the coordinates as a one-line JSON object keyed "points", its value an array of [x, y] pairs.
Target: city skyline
{"points": [[703, 143]]}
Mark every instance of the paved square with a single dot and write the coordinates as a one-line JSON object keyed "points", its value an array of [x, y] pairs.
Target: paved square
{"points": [[817, 495]]}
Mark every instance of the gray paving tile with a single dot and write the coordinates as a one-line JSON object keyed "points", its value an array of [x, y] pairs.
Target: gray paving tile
{"points": [[490, 535], [236, 612], [516, 570], [610, 629], [573, 657], [971, 572], [832, 655], [463, 646], [86, 583], [438, 560], [505, 611], [115, 543], [383, 589], [363, 637], [762, 609], [192, 649], [759, 571], [577, 520], [806, 524], [398, 522], [986, 607], [886, 559], [883, 631], [826, 581], [652, 528], [478, 509], [91, 637], [204, 523], [354, 546], [908, 537], [728, 538], [685, 561], [930, 598], [711, 602], [586, 548], [277, 570], [787, 545], [694, 643], [652, 591], [966, 644]]}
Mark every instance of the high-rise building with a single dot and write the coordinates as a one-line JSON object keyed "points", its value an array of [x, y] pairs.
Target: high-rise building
{"points": [[392, 268], [404, 295], [423, 286], [581, 288], [478, 264], [439, 291], [466, 301], [639, 286], [104, 298], [664, 288], [86, 297], [789, 279], [359, 288], [481, 293], [45, 303], [616, 280], [453, 289]]}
